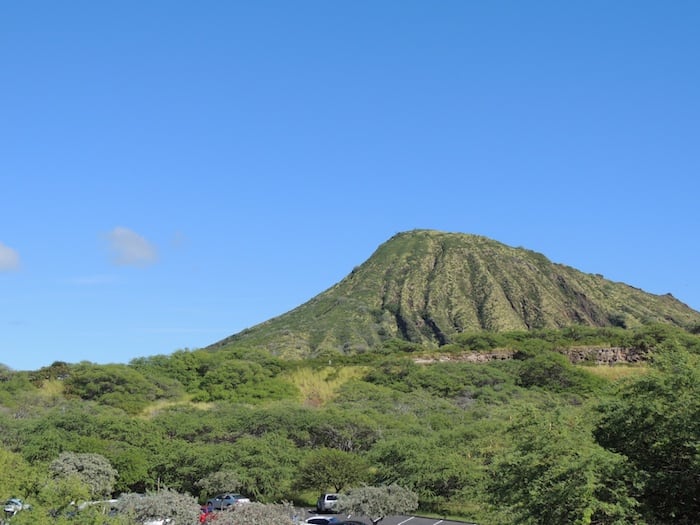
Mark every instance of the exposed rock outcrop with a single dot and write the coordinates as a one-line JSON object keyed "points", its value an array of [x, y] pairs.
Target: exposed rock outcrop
{"points": [[598, 355]]}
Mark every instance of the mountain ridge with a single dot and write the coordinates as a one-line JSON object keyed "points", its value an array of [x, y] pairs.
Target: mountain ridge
{"points": [[425, 286]]}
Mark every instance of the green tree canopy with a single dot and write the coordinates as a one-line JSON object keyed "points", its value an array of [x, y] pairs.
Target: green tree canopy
{"points": [[227, 480], [555, 474], [328, 467], [17, 478], [267, 465], [655, 422], [119, 386], [434, 469]]}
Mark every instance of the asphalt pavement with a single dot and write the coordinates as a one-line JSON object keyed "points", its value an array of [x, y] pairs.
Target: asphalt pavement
{"points": [[397, 520], [418, 520]]}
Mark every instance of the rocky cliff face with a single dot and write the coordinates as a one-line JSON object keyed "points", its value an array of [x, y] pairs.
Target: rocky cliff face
{"points": [[585, 354], [605, 356]]}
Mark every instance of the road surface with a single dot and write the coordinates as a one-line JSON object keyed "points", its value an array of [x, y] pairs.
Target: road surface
{"points": [[399, 520]]}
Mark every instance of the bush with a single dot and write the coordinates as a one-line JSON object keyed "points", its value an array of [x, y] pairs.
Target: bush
{"points": [[553, 371], [257, 514], [163, 504]]}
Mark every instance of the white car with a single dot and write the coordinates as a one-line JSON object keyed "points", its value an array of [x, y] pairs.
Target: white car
{"points": [[326, 502], [321, 520]]}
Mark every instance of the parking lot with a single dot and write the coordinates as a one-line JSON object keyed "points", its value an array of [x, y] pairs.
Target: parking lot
{"points": [[393, 520]]}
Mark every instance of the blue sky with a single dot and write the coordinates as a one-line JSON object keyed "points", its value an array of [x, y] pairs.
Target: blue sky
{"points": [[174, 172]]}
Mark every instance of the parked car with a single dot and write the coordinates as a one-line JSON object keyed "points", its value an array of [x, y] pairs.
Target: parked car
{"points": [[326, 502], [14, 505], [107, 503], [224, 501], [322, 520]]}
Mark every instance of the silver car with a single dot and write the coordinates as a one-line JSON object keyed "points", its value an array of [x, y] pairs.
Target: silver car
{"points": [[224, 501], [326, 502]]}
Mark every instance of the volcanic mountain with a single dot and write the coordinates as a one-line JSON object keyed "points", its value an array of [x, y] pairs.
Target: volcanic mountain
{"points": [[425, 286]]}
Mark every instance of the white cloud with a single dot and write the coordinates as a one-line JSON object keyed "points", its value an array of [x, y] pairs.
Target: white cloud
{"points": [[9, 258], [130, 249]]}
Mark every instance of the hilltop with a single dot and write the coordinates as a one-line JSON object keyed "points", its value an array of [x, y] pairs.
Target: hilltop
{"points": [[426, 286]]}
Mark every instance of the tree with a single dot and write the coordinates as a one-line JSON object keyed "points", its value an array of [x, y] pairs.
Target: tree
{"points": [[94, 470], [60, 494], [267, 465], [180, 465], [655, 422], [554, 372], [555, 473], [243, 381], [331, 467], [257, 514], [347, 430], [115, 385], [377, 502], [435, 469], [132, 463], [16, 475], [220, 481], [182, 509]]}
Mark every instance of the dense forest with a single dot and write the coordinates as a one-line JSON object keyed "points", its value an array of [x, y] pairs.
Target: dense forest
{"points": [[520, 435]]}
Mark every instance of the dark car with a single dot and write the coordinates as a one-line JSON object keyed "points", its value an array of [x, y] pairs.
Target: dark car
{"points": [[322, 520], [224, 501]]}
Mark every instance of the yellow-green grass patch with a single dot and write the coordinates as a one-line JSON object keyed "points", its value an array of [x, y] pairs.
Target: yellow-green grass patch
{"points": [[51, 388], [617, 372], [318, 386]]}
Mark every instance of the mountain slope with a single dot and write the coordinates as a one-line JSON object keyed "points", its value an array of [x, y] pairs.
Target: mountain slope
{"points": [[425, 286]]}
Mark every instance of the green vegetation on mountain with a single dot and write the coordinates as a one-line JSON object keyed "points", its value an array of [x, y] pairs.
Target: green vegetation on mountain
{"points": [[427, 287], [507, 417]]}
